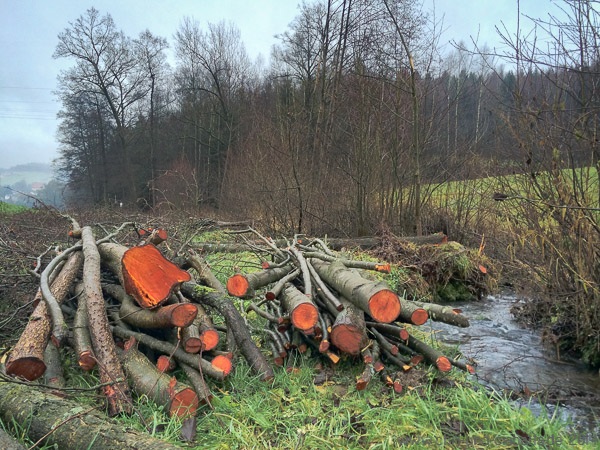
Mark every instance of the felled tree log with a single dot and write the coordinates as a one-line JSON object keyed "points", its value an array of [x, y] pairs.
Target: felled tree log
{"points": [[66, 424], [372, 242], [7, 442], [376, 299], [303, 313], [390, 330], [82, 342], [54, 373], [197, 381], [116, 389], [446, 314], [26, 359], [412, 313], [167, 316], [366, 265], [178, 399], [236, 324], [178, 353], [144, 272], [432, 355], [243, 285], [349, 332], [238, 334], [209, 336]]}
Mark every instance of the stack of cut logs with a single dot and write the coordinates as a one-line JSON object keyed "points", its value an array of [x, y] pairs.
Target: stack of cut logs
{"points": [[151, 303], [315, 298], [134, 314]]}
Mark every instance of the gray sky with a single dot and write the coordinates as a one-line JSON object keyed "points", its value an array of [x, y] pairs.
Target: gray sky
{"points": [[29, 29]]}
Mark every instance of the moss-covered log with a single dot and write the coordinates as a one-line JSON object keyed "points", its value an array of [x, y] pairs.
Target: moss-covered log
{"points": [[67, 424]]}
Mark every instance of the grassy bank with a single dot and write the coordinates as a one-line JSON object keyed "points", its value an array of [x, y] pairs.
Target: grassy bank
{"points": [[308, 407], [312, 403]]}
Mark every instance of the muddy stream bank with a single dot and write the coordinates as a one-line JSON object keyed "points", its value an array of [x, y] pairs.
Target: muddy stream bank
{"points": [[513, 358]]}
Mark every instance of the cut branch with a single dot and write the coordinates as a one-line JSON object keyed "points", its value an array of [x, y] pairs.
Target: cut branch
{"points": [[26, 360]]}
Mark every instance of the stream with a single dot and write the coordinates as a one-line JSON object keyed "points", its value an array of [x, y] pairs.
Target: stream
{"points": [[511, 357]]}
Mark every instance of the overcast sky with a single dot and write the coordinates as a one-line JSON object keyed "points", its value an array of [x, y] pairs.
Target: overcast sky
{"points": [[29, 29]]}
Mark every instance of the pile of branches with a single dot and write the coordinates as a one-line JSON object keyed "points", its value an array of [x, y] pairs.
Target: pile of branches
{"points": [[314, 298], [134, 315]]}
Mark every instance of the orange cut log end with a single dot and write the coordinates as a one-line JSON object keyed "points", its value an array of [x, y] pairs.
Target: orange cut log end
{"points": [[182, 314], [86, 360], [323, 346], [378, 366], [29, 368], [404, 334], [384, 306], [210, 339], [184, 403], [165, 364], [416, 360], [348, 339], [383, 268], [419, 316], [222, 363], [443, 364], [397, 386], [238, 285], [149, 277], [361, 384], [305, 316], [192, 345], [470, 369]]}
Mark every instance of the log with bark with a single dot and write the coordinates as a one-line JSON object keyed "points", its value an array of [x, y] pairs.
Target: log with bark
{"points": [[145, 379], [26, 360], [66, 423], [144, 272]]}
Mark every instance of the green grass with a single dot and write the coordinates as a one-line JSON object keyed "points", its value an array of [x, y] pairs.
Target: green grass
{"points": [[293, 412], [8, 209]]}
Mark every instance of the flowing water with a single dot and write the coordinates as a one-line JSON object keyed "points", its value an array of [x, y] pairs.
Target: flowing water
{"points": [[511, 357]]}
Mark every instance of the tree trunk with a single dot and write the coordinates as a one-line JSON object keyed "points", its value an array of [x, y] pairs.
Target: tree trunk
{"points": [[67, 424], [303, 312], [349, 332], [446, 314], [144, 272], [376, 299], [145, 379], [168, 316], [116, 392], [26, 359], [243, 285]]}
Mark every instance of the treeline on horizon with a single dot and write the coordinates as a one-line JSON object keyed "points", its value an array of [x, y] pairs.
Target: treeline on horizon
{"points": [[356, 120]]}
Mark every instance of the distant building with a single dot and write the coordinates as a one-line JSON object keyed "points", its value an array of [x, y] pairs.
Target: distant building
{"points": [[35, 187]]}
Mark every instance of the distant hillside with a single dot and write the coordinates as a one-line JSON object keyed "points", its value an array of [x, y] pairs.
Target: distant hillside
{"points": [[29, 173]]}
